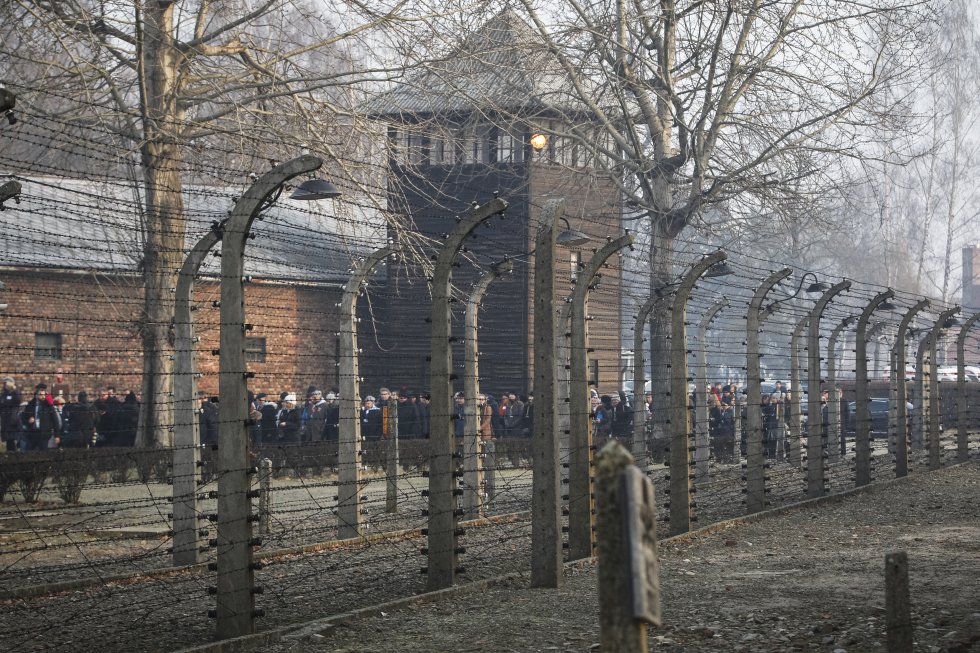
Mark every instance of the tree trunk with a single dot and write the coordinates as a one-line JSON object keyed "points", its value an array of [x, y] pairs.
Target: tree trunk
{"points": [[165, 222], [661, 274]]}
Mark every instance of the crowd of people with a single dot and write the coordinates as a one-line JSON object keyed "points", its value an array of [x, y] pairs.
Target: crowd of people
{"points": [[287, 420], [49, 418], [52, 418]]}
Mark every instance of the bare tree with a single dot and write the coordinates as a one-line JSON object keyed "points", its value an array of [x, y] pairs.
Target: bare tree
{"points": [[213, 87], [746, 103]]}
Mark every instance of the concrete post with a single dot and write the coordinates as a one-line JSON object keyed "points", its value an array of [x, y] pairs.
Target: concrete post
{"points": [[580, 513], [962, 407], [755, 454], [235, 598], [920, 422], [187, 440], [563, 368], [391, 460], [546, 540], [898, 606], [935, 405], [265, 496], [702, 444], [680, 423], [443, 517], [794, 430], [816, 478], [901, 391], [862, 416], [892, 400], [835, 434], [640, 412], [349, 462], [472, 462]]}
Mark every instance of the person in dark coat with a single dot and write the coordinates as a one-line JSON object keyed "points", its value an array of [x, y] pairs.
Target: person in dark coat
{"points": [[602, 420], [529, 415], [459, 415], [408, 416], [331, 420], [371, 426], [425, 410], [10, 424], [267, 423], [81, 423], [769, 426], [208, 420], [127, 421], [289, 421], [41, 421], [622, 426]]}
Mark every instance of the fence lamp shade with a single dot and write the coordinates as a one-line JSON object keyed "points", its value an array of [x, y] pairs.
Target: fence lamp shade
{"points": [[315, 189]]}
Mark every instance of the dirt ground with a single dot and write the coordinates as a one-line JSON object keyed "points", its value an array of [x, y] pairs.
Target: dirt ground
{"points": [[808, 579]]}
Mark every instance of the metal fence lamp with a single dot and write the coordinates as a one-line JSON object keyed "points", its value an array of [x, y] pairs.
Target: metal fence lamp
{"points": [[315, 189]]}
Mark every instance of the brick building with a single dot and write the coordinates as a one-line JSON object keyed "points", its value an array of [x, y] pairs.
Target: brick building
{"points": [[69, 264], [480, 124]]}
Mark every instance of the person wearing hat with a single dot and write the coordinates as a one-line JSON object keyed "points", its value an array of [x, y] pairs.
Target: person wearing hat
{"points": [[41, 421], [208, 420], [331, 422], [268, 421], [289, 424], [314, 416], [370, 419], [10, 425]]}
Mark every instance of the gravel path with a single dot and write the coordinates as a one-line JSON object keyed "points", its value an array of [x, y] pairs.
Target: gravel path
{"points": [[169, 612], [810, 579]]}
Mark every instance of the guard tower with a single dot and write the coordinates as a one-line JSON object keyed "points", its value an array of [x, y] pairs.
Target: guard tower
{"points": [[490, 117]]}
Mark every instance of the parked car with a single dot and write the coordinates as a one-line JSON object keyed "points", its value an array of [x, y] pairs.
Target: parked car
{"points": [[878, 409]]}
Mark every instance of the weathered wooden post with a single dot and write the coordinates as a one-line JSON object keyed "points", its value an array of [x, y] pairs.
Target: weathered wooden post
{"points": [[443, 515], [580, 513], [898, 606], [702, 443], [349, 516], [629, 578], [901, 391], [862, 416], [472, 461], [235, 611], [187, 440], [755, 500], [962, 407]]}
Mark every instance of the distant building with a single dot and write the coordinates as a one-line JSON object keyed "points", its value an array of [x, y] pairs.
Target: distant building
{"points": [[70, 257], [485, 121]]}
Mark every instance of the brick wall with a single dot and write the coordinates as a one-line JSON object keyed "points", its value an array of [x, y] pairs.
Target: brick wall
{"points": [[97, 315]]}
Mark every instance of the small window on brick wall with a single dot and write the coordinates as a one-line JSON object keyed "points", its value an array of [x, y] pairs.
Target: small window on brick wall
{"points": [[47, 346], [254, 350]]}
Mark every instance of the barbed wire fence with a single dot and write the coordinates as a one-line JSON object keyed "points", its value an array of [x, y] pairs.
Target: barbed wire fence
{"points": [[89, 534]]}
